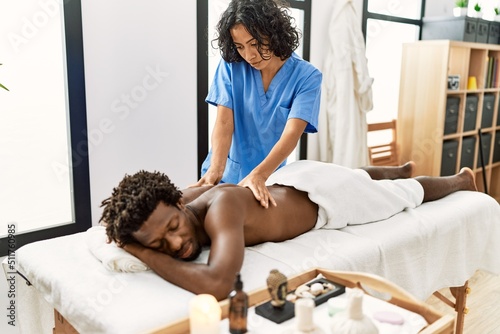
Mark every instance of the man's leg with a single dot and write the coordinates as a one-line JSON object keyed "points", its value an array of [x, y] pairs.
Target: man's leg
{"points": [[438, 187], [390, 172]]}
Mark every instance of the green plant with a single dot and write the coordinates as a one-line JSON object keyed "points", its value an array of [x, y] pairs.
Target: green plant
{"points": [[497, 10], [477, 7], [2, 86], [462, 3]]}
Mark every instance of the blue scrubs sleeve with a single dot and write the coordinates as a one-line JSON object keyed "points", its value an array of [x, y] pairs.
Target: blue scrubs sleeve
{"points": [[220, 92], [307, 102]]}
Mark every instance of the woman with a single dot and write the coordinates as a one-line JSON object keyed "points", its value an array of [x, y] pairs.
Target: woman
{"points": [[266, 96]]}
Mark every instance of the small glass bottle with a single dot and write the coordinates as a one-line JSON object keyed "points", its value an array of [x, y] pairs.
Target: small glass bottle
{"points": [[238, 308]]}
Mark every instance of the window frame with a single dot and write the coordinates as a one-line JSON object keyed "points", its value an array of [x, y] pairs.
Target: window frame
{"points": [[391, 18], [78, 140]]}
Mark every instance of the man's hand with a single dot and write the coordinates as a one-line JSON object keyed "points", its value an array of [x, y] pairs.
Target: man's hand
{"points": [[257, 184]]}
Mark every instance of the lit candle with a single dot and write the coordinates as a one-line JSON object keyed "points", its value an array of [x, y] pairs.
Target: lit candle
{"points": [[204, 315]]}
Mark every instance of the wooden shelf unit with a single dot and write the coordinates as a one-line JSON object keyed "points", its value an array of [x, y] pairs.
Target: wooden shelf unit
{"points": [[424, 110]]}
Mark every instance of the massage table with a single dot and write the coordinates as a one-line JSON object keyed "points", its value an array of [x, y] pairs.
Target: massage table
{"points": [[436, 245]]}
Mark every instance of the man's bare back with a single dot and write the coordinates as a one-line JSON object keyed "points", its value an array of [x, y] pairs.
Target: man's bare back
{"points": [[294, 214]]}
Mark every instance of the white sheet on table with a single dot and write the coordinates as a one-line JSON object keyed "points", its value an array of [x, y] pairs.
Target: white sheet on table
{"points": [[96, 300], [422, 250], [447, 241], [325, 249], [453, 240], [92, 298]]}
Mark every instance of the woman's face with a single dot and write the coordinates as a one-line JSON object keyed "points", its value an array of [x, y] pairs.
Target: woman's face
{"points": [[247, 47]]}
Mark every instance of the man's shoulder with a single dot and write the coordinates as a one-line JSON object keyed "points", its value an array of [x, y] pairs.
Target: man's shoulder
{"points": [[226, 190], [228, 194], [192, 193], [227, 204]]}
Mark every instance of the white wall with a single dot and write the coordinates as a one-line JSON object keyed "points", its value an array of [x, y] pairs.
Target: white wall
{"points": [[140, 72], [439, 8]]}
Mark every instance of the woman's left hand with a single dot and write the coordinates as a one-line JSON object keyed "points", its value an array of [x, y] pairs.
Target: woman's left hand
{"points": [[257, 184]]}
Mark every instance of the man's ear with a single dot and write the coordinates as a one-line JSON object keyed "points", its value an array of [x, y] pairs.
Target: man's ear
{"points": [[180, 203]]}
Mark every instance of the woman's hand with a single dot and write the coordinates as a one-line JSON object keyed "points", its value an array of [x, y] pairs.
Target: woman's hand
{"points": [[211, 178], [281, 150], [257, 184]]}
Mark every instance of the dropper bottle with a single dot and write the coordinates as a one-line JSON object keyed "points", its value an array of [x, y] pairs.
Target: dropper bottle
{"points": [[238, 308]]}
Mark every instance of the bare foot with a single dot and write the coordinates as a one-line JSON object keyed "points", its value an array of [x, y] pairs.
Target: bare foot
{"points": [[469, 178]]}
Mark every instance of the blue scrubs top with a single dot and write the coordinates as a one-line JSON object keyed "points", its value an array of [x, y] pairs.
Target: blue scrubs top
{"points": [[260, 117]]}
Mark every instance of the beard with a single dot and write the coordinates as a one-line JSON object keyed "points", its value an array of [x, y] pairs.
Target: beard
{"points": [[196, 252]]}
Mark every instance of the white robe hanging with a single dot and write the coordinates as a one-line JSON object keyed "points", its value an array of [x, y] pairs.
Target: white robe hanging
{"points": [[346, 92]]}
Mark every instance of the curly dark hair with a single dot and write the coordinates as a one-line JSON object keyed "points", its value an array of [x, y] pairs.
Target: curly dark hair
{"points": [[133, 201], [268, 21]]}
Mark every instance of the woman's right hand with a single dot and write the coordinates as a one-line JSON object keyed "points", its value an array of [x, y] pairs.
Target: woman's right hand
{"points": [[211, 178], [221, 142]]}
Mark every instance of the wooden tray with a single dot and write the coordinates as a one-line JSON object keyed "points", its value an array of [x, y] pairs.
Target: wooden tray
{"points": [[371, 284]]}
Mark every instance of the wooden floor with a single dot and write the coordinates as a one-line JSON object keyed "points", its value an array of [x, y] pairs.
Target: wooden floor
{"points": [[483, 303]]}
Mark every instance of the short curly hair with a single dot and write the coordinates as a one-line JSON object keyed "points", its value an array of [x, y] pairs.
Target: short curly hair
{"points": [[268, 21], [133, 201]]}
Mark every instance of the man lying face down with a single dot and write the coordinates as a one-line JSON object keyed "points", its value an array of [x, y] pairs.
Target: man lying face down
{"points": [[165, 227]]}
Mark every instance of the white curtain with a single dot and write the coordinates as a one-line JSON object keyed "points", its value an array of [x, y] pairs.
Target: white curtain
{"points": [[346, 91]]}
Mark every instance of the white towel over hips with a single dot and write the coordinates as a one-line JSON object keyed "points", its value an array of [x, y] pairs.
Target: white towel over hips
{"points": [[348, 196]]}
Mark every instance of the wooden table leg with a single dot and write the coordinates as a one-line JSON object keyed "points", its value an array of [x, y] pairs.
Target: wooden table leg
{"points": [[460, 294]]}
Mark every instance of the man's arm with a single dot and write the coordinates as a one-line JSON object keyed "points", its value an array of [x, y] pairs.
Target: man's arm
{"points": [[224, 226]]}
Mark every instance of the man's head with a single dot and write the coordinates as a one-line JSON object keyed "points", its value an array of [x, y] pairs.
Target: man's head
{"points": [[133, 201], [171, 230]]}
